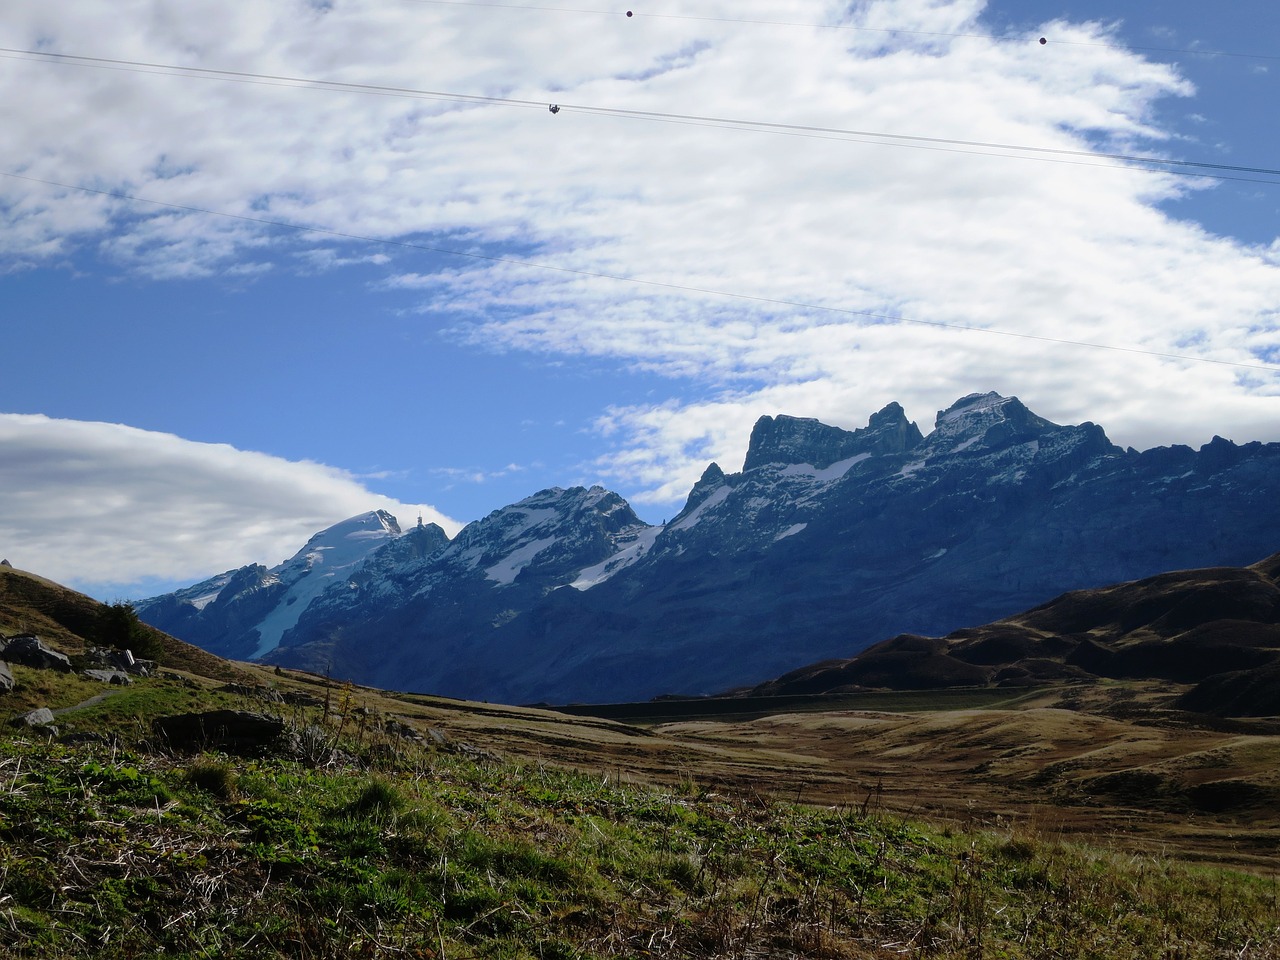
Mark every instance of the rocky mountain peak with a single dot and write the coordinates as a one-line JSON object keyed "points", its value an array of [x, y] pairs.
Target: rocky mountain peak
{"points": [[889, 431], [986, 418], [829, 540], [795, 440], [552, 534], [711, 480]]}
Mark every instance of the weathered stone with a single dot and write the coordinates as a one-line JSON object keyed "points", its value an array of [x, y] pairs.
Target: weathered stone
{"points": [[117, 677], [236, 731], [109, 658], [27, 650], [39, 720], [296, 698], [6, 677], [398, 729]]}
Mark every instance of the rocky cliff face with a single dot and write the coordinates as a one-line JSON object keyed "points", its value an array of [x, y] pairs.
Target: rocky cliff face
{"points": [[827, 541]]}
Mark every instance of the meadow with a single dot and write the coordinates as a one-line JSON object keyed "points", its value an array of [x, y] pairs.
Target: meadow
{"points": [[396, 826]]}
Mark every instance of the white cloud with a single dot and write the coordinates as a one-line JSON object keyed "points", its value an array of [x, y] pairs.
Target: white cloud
{"points": [[97, 504], [1042, 249]]}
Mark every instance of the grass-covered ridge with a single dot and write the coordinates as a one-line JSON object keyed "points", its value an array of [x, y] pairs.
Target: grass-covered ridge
{"points": [[413, 851]]}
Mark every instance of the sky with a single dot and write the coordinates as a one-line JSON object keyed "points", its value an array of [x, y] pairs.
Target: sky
{"points": [[267, 266]]}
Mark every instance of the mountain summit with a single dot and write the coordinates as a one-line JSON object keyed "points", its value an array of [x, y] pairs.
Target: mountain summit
{"points": [[243, 613], [827, 541], [792, 440]]}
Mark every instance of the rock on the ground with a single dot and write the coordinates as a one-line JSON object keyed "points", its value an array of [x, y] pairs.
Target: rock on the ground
{"points": [[236, 731], [38, 720], [115, 677], [29, 651]]}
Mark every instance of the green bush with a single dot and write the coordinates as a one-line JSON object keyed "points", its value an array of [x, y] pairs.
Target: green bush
{"points": [[119, 627]]}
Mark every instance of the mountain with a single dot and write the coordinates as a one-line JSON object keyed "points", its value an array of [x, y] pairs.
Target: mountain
{"points": [[827, 540], [243, 613], [1216, 628]]}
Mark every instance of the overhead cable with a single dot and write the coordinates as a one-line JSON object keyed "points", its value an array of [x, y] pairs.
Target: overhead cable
{"points": [[1195, 168]]}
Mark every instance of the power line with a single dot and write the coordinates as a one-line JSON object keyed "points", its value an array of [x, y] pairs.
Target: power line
{"points": [[657, 284], [1194, 168]]}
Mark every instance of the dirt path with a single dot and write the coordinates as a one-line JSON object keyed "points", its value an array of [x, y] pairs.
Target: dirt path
{"points": [[87, 703]]}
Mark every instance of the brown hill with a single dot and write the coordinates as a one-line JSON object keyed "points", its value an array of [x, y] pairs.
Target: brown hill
{"points": [[69, 621], [1216, 629]]}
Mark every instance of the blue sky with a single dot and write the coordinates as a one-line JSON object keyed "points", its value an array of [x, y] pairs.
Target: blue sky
{"points": [[188, 388]]}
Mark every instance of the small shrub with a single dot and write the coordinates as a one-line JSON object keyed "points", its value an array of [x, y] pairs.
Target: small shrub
{"points": [[379, 798]]}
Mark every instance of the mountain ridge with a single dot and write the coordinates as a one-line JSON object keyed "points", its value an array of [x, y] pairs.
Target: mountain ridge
{"points": [[826, 541]]}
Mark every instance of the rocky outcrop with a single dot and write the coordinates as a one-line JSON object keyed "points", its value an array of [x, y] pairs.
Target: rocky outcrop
{"points": [[793, 440], [28, 650], [6, 678]]}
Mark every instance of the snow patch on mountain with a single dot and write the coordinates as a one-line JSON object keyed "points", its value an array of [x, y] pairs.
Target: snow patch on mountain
{"points": [[506, 570], [330, 557], [717, 497], [199, 595], [600, 572], [826, 474]]}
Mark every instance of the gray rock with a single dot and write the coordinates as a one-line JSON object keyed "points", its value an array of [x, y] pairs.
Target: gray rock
{"points": [[109, 658], [6, 677], [39, 720], [398, 729], [28, 650], [296, 698], [116, 677]]}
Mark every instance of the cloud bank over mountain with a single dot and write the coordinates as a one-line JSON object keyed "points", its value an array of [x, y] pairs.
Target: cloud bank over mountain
{"points": [[118, 506]]}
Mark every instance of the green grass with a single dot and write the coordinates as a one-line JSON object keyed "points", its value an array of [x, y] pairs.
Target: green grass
{"points": [[121, 853]]}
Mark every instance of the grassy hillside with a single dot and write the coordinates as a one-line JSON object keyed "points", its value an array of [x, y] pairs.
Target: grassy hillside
{"points": [[1216, 630], [68, 621], [386, 848], [1069, 821]]}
